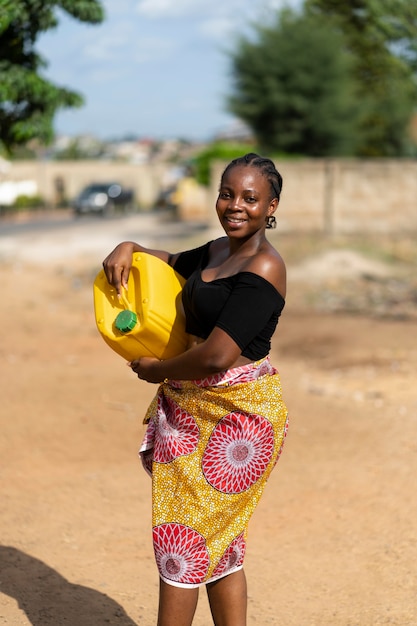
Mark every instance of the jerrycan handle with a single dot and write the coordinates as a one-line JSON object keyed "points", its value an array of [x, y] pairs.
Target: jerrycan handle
{"points": [[126, 320], [124, 300]]}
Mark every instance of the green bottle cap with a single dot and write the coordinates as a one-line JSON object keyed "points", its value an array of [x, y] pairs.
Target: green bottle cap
{"points": [[126, 321]]}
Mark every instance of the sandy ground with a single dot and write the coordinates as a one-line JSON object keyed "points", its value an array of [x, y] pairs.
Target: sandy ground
{"points": [[333, 542]]}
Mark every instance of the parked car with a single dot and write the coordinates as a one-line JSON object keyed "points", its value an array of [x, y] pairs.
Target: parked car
{"points": [[104, 199]]}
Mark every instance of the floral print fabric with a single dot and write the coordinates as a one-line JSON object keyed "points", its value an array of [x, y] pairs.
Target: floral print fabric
{"points": [[210, 446]]}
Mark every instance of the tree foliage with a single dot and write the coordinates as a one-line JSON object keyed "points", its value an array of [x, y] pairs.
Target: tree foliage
{"points": [[219, 150], [335, 78], [293, 87], [381, 35], [28, 101]]}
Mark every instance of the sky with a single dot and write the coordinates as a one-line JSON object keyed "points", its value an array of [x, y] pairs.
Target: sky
{"points": [[153, 69]]}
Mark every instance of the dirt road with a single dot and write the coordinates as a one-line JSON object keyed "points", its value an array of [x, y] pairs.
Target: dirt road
{"points": [[333, 542]]}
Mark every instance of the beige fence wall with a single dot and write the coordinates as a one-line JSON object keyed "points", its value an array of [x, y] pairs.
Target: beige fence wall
{"points": [[335, 196], [342, 196], [146, 180]]}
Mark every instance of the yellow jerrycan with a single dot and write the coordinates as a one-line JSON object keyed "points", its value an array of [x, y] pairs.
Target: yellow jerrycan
{"points": [[148, 319]]}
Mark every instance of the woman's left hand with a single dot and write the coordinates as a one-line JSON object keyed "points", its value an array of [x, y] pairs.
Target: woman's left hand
{"points": [[146, 370]]}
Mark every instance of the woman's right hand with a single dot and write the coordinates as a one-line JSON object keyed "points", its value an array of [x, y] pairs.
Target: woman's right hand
{"points": [[117, 265]]}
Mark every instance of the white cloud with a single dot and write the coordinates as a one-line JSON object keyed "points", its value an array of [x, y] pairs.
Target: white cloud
{"points": [[167, 8], [280, 4], [159, 9], [123, 43]]}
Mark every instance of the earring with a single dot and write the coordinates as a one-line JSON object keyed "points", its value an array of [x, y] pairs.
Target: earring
{"points": [[271, 221]]}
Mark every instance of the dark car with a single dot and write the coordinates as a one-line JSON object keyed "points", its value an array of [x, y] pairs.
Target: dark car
{"points": [[104, 199]]}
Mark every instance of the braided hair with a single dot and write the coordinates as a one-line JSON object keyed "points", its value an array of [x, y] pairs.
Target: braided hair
{"points": [[266, 167]]}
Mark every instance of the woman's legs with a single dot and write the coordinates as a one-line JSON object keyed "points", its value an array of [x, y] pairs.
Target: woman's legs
{"points": [[176, 605], [228, 600]]}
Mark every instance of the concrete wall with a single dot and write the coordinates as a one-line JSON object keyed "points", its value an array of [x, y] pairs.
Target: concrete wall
{"points": [[334, 196], [144, 179], [342, 196]]}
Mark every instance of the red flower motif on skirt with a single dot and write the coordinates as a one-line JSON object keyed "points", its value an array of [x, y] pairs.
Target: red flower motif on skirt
{"points": [[181, 553], [238, 452], [232, 557], [176, 432]]}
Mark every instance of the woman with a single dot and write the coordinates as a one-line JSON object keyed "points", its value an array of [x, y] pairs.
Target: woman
{"points": [[217, 424]]}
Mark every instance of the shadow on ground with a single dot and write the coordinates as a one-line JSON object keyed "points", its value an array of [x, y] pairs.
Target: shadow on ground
{"points": [[48, 599]]}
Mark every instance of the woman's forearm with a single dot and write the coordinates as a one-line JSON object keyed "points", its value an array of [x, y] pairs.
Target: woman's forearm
{"points": [[214, 355]]}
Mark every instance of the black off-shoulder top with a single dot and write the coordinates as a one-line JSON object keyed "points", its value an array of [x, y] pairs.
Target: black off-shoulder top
{"points": [[246, 306]]}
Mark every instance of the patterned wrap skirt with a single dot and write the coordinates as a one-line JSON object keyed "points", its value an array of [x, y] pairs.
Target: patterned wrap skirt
{"points": [[210, 446]]}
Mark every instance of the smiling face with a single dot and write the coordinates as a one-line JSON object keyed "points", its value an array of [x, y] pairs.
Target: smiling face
{"points": [[244, 201]]}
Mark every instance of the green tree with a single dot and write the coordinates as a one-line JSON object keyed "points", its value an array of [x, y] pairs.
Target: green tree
{"points": [[28, 101], [218, 150], [382, 38], [293, 87]]}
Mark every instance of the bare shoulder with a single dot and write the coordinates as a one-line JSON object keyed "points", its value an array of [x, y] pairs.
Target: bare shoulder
{"points": [[220, 244], [219, 249], [269, 264]]}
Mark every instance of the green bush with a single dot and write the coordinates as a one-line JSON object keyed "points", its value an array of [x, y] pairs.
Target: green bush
{"points": [[217, 151], [28, 202]]}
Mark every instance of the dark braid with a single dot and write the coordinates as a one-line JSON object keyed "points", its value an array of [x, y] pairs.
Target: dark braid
{"points": [[266, 167]]}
